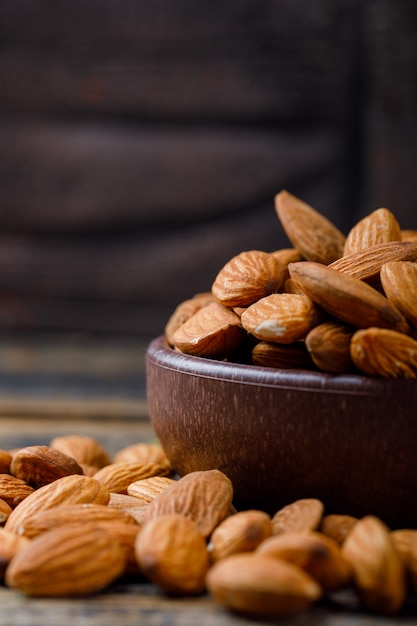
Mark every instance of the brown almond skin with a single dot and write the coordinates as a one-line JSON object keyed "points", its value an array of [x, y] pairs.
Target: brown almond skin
{"points": [[10, 544], [242, 532], [314, 236], [346, 298], [328, 345], [380, 226], [281, 317], [259, 585], [399, 282], [13, 490], [151, 452], [172, 553], [337, 526], [304, 514], [5, 510], [285, 356], [184, 311], [205, 496], [40, 465], [65, 562], [316, 554], [5, 461], [247, 277], [85, 450], [69, 489], [86, 513], [215, 331], [384, 352], [147, 489], [118, 476], [378, 571]]}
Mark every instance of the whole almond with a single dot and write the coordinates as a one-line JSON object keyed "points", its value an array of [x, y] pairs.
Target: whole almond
{"points": [[5, 510], [5, 460], [314, 236], [147, 489], [118, 476], [124, 501], [86, 513], [69, 489], [337, 526], [214, 331], [286, 356], [184, 311], [399, 282], [304, 514], [316, 554], [281, 317], [346, 298], [261, 586], [366, 265], [145, 452], [380, 226], [405, 542], [10, 544], [384, 352], [328, 345], [13, 490], [247, 277], [67, 562], [285, 256], [205, 496], [85, 450], [40, 465], [172, 553], [378, 571], [241, 532], [409, 235]]}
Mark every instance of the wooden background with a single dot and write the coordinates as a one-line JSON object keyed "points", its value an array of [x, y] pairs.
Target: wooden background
{"points": [[142, 143]]}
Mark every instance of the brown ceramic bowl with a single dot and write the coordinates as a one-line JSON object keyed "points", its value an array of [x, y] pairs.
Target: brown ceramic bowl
{"points": [[280, 435]]}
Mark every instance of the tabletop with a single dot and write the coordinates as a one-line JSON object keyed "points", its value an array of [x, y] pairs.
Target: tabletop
{"points": [[52, 388]]}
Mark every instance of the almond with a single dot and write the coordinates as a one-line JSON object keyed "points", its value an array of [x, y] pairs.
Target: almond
{"points": [[85, 450], [314, 236], [184, 311], [409, 235], [337, 526], [378, 572], [13, 490], [40, 465], [145, 452], [204, 496], [316, 554], [285, 356], [242, 532], [118, 476], [147, 489], [261, 586], [214, 331], [5, 510], [405, 542], [281, 317], [5, 460], [124, 501], [47, 519], [65, 562], [328, 345], [348, 299], [366, 265], [69, 489], [384, 352], [10, 544], [285, 256], [301, 515], [247, 277], [172, 553], [399, 282], [380, 226]]}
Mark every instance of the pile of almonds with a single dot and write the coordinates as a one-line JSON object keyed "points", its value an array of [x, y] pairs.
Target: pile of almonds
{"points": [[332, 302], [74, 521]]}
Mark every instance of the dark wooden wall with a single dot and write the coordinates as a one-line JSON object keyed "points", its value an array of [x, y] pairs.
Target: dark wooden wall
{"points": [[142, 143]]}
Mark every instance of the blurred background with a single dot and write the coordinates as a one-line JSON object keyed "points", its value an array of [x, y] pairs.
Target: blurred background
{"points": [[142, 143]]}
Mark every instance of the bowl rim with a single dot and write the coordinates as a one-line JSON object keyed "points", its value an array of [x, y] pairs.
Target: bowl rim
{"points": [[161, 354]]}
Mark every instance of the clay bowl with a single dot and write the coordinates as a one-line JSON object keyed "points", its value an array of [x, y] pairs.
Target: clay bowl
{"points": [[281, 435]]}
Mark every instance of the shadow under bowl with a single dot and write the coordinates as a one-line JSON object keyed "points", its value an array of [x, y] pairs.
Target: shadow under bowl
{"points": [[281, 435]]}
